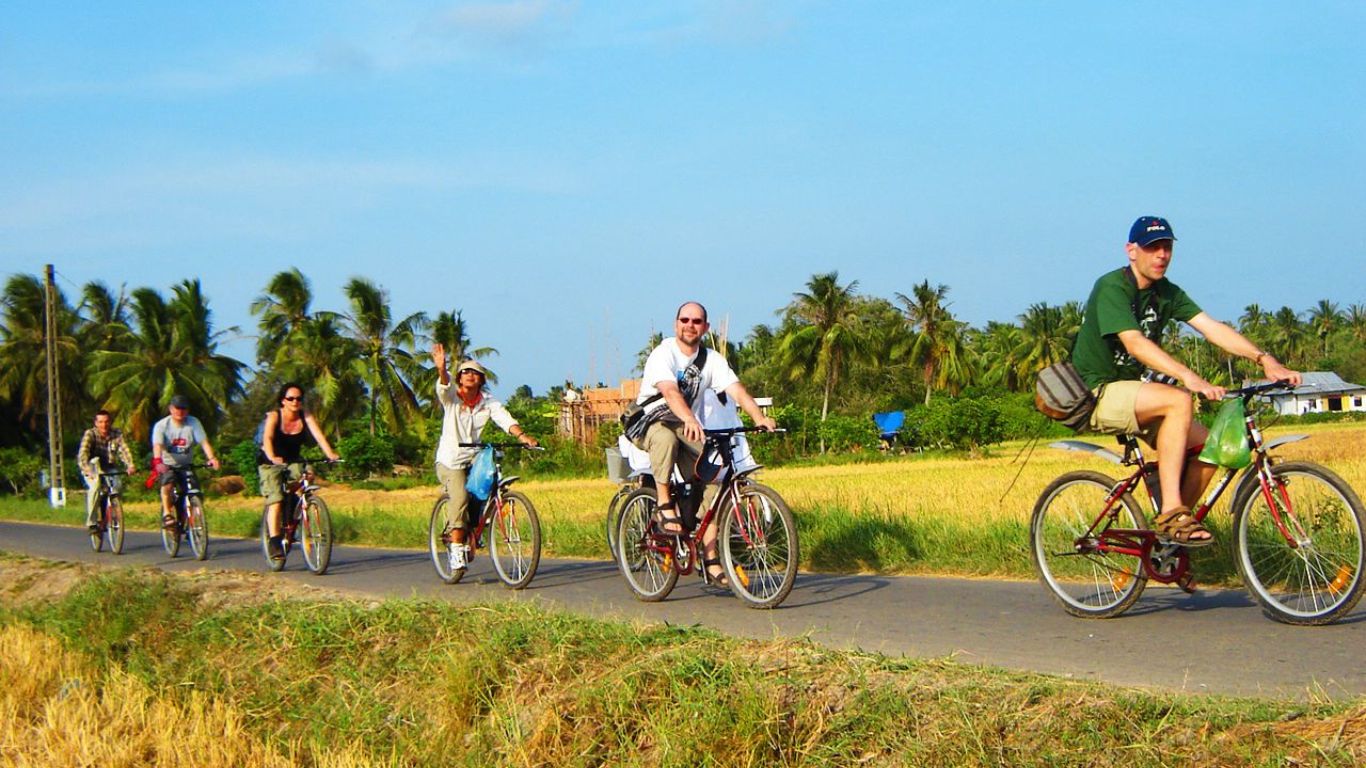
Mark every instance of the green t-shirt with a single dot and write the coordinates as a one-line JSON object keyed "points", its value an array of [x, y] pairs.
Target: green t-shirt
{"points": [[1116, 304]]}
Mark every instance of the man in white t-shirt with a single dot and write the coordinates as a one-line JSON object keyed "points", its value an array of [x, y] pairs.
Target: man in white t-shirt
{"points": [[670, 429]]}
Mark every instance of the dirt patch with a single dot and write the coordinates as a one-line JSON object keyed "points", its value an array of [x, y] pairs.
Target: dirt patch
{"points": [[29, 581]]}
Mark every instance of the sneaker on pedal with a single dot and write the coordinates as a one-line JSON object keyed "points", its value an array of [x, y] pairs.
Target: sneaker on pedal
{"points": [[276, 548], [93, 529], [458, 559]]}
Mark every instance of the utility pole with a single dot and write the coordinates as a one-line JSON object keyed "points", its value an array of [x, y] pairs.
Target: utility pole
{"points": [[55, 470]]}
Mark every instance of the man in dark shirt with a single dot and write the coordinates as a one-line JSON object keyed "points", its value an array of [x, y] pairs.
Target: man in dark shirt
{"points": [[1120, 335]]}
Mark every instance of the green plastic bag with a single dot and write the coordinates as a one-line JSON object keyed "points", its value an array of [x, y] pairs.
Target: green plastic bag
{"points": [[1227, 445]]}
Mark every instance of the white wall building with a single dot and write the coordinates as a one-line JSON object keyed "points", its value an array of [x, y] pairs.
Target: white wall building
{"points": [[1321, 392]]}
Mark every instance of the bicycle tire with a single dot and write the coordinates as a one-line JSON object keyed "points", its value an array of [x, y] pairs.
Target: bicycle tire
{"points": [[514, 539], [97, 537], [1092, 585], [113, 524], [170, 537], [614, 517], [197, 527], [315, 535], [438, 542], [759, 549], [274, 565], [650, 574], [1319, 580]]}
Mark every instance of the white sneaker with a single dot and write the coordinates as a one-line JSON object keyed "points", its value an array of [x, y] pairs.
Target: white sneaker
{"points": [[457, 557]]}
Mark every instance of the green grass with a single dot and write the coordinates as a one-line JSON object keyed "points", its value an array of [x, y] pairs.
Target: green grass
{"points": [[514, 684]]}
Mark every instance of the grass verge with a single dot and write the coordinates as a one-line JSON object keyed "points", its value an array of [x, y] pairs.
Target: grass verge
{"points": [[136, 666]]}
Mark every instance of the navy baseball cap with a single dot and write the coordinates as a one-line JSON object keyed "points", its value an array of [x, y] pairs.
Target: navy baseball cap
{"points": [[180, 401], [1149, 229]]}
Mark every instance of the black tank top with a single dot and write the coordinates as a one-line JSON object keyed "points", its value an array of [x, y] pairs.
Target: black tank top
{"points": [[288, 447]]}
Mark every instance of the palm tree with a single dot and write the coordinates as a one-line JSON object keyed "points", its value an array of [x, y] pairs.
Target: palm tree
{"points": [[994, 351], [655, 340], [23, 352], [826, 338], [1325, 318], [1046, 336], [450, 331], [937, 339], [323, 358], [104, 316], [1356, 322], [1287, 336], [283, 309], [171, 350], [385, 361]]}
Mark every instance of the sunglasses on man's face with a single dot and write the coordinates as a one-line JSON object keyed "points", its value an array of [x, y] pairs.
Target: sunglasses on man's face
{"points": [[692, 321]]}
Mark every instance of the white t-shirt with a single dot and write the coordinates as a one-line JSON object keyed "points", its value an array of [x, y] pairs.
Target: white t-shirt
{"points": [[667, 363], [715, 415]]}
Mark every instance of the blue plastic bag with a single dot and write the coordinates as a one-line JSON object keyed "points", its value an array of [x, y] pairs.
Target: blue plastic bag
{"points": [[479, 481], [1227, 444]]}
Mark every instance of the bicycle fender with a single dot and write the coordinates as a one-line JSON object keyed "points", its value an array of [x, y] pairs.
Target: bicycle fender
{"points": [[506, 481], [1282, 440], [1084, 447]]}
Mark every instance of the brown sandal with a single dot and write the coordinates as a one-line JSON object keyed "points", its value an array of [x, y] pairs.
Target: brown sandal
{"points": [[1181, 527]]}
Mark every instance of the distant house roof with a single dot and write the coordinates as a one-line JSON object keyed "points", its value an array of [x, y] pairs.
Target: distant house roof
{"points": [[1318, 384]]}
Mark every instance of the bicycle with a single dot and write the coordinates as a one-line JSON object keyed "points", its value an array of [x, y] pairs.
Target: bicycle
{"points": [[507, 523], [188, 501], [301, 509], [111, 512], [1297, 533], [756, 538], [626, 486]]}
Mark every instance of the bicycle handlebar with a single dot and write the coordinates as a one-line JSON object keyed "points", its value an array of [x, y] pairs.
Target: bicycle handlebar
{"points": [[1257, 389], [739, 430], [523, 446]]}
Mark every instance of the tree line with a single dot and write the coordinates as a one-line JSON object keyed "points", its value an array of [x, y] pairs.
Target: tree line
{"points": [[834, 352]]}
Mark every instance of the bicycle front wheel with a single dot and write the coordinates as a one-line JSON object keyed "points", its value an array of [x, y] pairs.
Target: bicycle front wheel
{"points": [[197, 528], [1298, 544], [439, 543], [316, 535], [758, 538], [97, 537], [643, 559], [1064, 540], [514, 539], [113, 525]]}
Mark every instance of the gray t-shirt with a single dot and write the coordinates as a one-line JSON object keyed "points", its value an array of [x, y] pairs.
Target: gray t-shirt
{"points": [[178, 442]]}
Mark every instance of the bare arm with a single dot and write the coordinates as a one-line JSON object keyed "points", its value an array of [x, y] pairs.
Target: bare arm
{"points": [[1156, 358], [673, 398], [1223, 336], [319, 437], [743, 399], [268, 437], [439, 360]]}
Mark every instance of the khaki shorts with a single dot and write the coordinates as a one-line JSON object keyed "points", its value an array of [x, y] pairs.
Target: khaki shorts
{"points": [[1114, 413], [453, 483], [273, 478]]}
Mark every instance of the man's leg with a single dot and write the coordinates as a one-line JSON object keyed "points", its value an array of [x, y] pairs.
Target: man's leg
{"points": [[1169, 408], [1198, 473], [457, 506], [661, 442], [92, 500], [167, 513]]}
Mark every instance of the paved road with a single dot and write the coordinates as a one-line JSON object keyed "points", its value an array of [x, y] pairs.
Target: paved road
{"points": [[1234, 648]]}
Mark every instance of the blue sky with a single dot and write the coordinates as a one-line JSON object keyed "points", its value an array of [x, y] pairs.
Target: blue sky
{"points": [[565, 173]]}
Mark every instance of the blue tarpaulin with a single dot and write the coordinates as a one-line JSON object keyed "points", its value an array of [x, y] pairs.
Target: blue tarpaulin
{"points": [[889, 423]]}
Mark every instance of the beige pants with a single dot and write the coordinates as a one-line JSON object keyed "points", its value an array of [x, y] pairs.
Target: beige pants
{"points": [[668, 448], [453, 483], [1114, 413]]}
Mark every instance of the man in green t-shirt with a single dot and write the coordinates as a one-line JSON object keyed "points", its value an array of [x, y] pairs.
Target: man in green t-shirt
{"points": [[1120, 335]]}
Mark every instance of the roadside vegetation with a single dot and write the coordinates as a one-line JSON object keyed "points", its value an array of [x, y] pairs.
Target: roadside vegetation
{"points": [[131, 667]]}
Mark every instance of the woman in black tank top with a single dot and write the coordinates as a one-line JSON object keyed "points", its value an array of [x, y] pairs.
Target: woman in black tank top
{"points": [[283, 436]]}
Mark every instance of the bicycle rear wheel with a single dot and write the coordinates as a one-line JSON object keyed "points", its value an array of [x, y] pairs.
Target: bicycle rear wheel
{"points": [[514, 538], [758, 538], [271, 563], [170, 537], [113, 524], [614, 517], [645, 561], [1086, 580], [1314, 576], [439, 543], [315, 535], [196, 527]]}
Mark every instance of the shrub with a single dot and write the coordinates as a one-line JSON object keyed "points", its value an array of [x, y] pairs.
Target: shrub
{"points": [[242, 460], [19, 470], [365, 455], [848, 433]]}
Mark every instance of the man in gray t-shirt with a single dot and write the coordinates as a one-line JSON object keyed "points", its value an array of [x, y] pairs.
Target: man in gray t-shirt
{"points": [[173, 442]]}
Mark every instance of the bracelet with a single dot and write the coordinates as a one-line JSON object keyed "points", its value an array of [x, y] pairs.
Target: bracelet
{"points": [[1258, 359]]}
